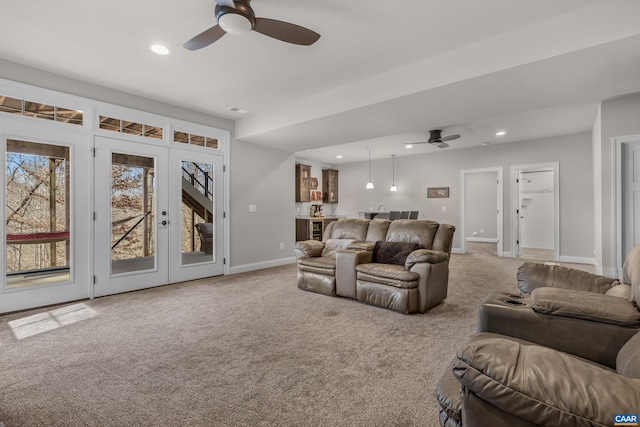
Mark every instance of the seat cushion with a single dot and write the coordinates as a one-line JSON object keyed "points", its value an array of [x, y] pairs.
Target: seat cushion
{"points": [[318, 264], [388, 274], [392, 252]]}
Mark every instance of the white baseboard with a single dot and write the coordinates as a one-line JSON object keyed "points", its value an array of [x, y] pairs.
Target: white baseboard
{"points": [[482, 240], [578, 260], [456, 250], [260, 265], [507, 254]]}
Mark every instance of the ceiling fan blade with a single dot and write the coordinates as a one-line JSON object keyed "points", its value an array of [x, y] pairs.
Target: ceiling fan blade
{"points": [[226, 3], [414, 143], [443, 145], [450, 137], [286, 32], [205, 38]]}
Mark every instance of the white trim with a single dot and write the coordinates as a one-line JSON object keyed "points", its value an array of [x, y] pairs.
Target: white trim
{"points": [[578, 260], [536, 167], [617, 206], [507, 254], [499, 206], [261, 265], [456, 251], [482, 240]]}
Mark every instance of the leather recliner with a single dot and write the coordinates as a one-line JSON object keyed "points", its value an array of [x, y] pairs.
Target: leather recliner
{"points": [[572, 314], [502, 381], [414, 284], [317, 261]]}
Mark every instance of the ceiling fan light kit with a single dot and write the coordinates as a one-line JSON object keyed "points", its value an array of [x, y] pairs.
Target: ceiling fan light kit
{"points": [[237, 17]]}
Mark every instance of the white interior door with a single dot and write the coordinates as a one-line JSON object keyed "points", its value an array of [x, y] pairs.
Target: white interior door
{"points": [[630, 197], [45, 217], [197, 212], [131, 216]]}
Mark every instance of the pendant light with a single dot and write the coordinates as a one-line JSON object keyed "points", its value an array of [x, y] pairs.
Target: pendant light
{"points": [[393, 183], [369, 183]]}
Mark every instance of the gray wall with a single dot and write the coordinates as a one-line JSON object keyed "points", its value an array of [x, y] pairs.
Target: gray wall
{"points": [[481, 201], [265, 178], [442, 169], [619, 117]]}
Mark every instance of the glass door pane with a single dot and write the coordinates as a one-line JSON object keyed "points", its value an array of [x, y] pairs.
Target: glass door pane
{"points": [[37, 214], [132, 213], [197, 213]]}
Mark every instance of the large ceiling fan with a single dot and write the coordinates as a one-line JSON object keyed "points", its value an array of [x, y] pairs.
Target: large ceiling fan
{"points": [[436, 138], [237, 17]]}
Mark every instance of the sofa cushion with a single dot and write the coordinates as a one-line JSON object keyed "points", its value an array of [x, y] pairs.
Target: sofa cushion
{"points": [[620, 291], [317, 262], [392, 252], [350, 228], [631, 273], [333, 245], [628, 360], [417, 231], [388, 274], [377, 229]]}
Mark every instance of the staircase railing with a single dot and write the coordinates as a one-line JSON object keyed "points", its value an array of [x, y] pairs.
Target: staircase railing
{"points": [[130, 230], [202, 187]]}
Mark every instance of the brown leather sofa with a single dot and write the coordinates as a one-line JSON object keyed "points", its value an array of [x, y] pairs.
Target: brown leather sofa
{"points": [[501, 381], [349, 262]]}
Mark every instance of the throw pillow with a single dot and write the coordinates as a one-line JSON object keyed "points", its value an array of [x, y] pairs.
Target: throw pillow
{"points": [[392, 252]]}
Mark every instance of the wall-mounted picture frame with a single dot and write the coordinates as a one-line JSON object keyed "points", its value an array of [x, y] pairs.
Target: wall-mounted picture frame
{"points": [[313, 183], [437, 192]]}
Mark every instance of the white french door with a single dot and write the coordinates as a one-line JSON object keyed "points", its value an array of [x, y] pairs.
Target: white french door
{"points": [[159, 215], [196, 209], [45, 223], [131, 205]]}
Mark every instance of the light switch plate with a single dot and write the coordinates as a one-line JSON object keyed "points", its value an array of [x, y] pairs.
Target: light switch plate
{"points": [[253, 208]]}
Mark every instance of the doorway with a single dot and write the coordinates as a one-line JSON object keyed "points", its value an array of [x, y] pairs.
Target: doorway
{"points": [[535, 211], [627, 196], [158, 216], [481, 207]]}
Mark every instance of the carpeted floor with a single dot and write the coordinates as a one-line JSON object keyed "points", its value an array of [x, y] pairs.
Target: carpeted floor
{"points": [[244, 350]]}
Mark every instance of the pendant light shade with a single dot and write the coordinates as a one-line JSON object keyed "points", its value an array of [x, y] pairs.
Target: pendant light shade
{"points": [[369, 183], [393, 182]]}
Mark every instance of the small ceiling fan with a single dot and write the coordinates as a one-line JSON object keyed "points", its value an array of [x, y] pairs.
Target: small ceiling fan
{"points": [[436, 138], [237, 17]]}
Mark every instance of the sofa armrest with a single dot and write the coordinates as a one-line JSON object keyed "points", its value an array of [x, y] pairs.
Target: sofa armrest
{"points": [[543, 386], [425, 255], [585, 305], [309, 248], [346, 262], [532, 275], [361, 246]]}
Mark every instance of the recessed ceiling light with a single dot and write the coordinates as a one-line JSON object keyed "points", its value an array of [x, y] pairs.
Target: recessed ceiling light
{"points": [[484, 144], [159, 49], [501, 133], [408, 146], [238, 110], [338, 156]]}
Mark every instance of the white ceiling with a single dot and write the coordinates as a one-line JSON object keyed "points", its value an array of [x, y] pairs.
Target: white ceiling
{"points": [[383, 73]]}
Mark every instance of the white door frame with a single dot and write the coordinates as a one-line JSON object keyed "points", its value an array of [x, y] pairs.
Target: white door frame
{"points": [[499, 210], [515, 171], [77, 287], [617, 190]]}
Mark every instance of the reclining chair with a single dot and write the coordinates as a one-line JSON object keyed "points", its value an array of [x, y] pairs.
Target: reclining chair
{"points": [[501, 381]]}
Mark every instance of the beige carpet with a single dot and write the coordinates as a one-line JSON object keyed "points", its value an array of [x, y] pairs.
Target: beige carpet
{"points": [[244, 350]]}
